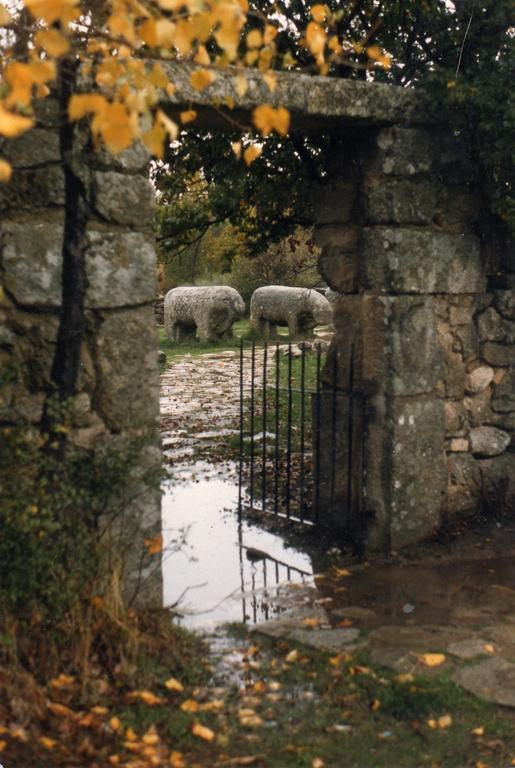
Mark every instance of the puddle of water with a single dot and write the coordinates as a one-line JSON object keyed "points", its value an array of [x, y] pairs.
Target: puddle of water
{"points": [[456, 592], [226, 571]]}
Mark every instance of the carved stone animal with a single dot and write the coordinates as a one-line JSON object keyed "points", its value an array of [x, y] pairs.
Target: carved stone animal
{"points": [[301, 309], [205, 311]]}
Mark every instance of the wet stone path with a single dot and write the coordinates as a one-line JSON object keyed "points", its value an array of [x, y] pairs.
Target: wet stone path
{"points": [[461, 610]]}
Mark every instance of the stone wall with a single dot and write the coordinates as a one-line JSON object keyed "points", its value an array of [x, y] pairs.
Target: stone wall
{"points": [[115, 407], [426, 308]]}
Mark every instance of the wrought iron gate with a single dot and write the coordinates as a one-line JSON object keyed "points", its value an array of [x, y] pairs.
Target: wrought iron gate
{"points": [[301, 424]]}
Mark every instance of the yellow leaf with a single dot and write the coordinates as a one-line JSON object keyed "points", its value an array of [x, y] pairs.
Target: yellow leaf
{"points": [[242, 85], [236, 148], [174, 685], [5, 16], [339, 572], [50, 10], [82, 104], [282, 121], [319, 12], [177, 760], [60, 710], [154, 139], [203, 732], [442, 722], [311, 622], [155, 545], [407, 677], [12, 125], [292, 656], [478, 731], [47, 742], [489, 648], [115, 127], [270, 79], [202, 56], [130, 735], [187, 116], [6, 171], [317, 763], [252, 153], [432, 659], [190, 705], [99, 710], [269, 34], [3, 745], [147, 697], [254, 39], [150, 738], [52, 41], [315, 39], [116, 724], [251, 721], [63, 681], [201, 79]]}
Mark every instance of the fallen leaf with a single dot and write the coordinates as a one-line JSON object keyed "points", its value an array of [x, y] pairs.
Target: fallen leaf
{"points": [[292, 656], [47, 742], [3, 745], [432, 659], [489, 648], [174, 685], [147, 697], [311, 622], [63, 681], [190, 705], [442, 722], [177, 760], [115, 724], [202, 732], [375, 705], [317, 763]]}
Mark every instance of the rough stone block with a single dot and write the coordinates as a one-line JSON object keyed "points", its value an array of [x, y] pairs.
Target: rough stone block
{"points": [[505, 303], [479, 379], [479, 407], [334, 201], [488, 441], [411, 362], [339, 269], [498, 477], [33, 188], [455, 418], [403, 151], [124, 200], [127, 391], [133, 160], [456, 208], [420, 260], [498, 354], [37, 147], [31, 259], [418, 469], [337, 236], [492, 327], [120, 268], [399, 201]]}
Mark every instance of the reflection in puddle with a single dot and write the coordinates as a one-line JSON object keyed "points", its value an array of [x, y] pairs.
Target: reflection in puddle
{"points": [[226, 571]]}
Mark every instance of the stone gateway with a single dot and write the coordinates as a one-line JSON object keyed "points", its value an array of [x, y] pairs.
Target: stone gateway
{"points": [[207, 311], [298, 308]]}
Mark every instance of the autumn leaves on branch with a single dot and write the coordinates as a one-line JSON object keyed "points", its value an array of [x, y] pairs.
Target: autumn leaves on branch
{"points": [[120, 45]]}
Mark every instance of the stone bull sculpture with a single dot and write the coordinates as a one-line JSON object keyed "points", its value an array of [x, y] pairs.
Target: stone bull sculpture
{"points": [[301, 309], [207, 311]]}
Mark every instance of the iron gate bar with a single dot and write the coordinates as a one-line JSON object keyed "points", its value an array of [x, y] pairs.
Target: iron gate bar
{"points": [[252, 388], [277, 426], [288, 450], [333, 429], [317, 438], [350, 431], [264, 416], [240, 468], [302, 430]]}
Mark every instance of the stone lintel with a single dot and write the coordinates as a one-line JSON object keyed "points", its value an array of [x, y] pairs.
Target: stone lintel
{"points": [[314, 102]]}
